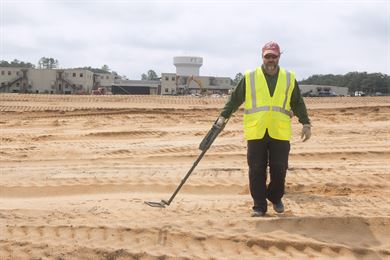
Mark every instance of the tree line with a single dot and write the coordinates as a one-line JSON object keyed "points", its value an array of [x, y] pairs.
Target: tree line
{"points": [[369, 83], [16, 63], [43, 63], [50, 63]]}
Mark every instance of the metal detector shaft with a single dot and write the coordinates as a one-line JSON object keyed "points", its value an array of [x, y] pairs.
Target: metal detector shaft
{"points": [[186, 177], [204, 146]]}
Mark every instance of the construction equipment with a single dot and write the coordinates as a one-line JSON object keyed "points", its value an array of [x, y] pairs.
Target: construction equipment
{"points": [[200, 84], [203, 146], [183, 84]]}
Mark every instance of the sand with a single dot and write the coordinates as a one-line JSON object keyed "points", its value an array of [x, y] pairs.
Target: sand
{"points": [[76, 170]]}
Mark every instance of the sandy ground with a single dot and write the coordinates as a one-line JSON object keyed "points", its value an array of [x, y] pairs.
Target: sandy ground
{"points": [[76, 170]]}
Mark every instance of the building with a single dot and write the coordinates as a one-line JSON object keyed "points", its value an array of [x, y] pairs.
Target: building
{"points": [[136, 87], [53, 81], [168, 84], [14, 79], [72, 81], [173, 84], [322, 91], [185, 81], [105, 80]]}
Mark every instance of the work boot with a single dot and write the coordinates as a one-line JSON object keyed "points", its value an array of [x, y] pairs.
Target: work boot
{"points": [[257, 213], [278, 207]]}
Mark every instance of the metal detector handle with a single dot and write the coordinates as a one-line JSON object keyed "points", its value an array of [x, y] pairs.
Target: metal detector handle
{"points": [[212, 135]]}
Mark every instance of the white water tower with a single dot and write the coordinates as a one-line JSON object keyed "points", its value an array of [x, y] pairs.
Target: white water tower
{"points": [[187, 65]]}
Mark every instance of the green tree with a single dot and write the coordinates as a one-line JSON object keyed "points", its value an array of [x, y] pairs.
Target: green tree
{"points": [[105, 68], [151, 75], [237, 78], [47, 63]]}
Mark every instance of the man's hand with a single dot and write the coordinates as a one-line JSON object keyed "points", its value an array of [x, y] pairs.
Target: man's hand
{"points": [[220, 121], [306, 132]]}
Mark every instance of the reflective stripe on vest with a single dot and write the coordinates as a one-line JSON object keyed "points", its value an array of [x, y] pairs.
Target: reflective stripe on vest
{"points": [[267, 108], [255, 109]]}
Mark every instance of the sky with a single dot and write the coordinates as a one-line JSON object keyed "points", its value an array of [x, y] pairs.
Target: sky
{"points": [[132, 37]]}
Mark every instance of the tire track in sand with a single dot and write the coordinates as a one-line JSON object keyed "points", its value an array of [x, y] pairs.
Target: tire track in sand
{"points": [[155, 239]]}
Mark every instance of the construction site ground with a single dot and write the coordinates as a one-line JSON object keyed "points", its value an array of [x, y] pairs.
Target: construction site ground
{"points": [[76, 170]]}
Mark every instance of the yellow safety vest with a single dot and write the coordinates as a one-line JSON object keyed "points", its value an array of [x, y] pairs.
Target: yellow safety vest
{"points": [[265, 112]]}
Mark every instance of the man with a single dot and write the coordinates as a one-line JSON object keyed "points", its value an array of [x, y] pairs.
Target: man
{"points": [[269, 93]]}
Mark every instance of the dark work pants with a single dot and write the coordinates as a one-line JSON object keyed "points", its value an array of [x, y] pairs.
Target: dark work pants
{"points": [[260, 154]]}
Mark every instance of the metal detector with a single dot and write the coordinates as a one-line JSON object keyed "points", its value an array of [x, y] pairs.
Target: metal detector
{"points": [[203, 146]]}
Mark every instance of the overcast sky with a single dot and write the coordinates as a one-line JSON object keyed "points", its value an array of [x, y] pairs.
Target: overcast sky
{"points": [[131, 37]]}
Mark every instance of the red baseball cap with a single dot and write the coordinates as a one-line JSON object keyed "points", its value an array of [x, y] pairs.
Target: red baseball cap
{"points": [[271, 47]]}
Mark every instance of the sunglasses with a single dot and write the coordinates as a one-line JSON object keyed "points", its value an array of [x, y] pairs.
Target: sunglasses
{"points": [[274, 57]]}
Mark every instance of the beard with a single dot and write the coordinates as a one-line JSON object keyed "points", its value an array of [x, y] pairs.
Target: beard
{"points": [[270, 66]]}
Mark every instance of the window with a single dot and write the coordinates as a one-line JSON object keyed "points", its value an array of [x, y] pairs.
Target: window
{"points": [[74, 74], [2, 72], [173, 78], [106, 77], [9, 72], [81, 75], [166, 78], [166, 90]]}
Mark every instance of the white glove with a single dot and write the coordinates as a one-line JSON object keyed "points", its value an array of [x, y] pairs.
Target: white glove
{"points": [[220, 121], [306, 132]]}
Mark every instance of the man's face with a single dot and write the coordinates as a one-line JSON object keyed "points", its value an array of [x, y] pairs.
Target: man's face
{"points": [[270, 61]]}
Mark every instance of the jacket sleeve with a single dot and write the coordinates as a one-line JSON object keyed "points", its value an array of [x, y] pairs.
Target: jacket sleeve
{"points": [[298, 105], [236, 99]]}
